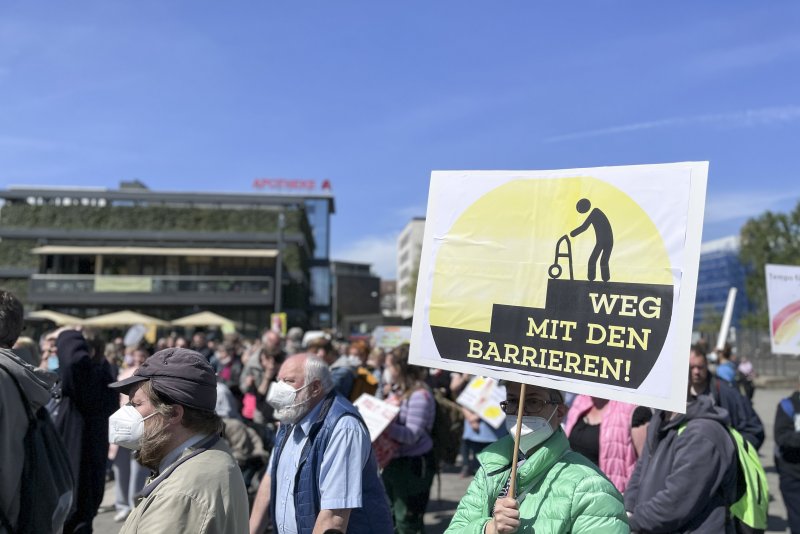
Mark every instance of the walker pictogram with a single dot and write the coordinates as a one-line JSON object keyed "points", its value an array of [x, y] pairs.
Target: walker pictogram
{"points": [[555, 270]]}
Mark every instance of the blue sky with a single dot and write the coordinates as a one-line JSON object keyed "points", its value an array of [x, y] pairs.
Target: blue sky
{"points": [[208, 95]]}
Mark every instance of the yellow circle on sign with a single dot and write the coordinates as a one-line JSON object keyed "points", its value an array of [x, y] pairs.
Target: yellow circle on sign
{"points": [[491, 412], [500, 248]]}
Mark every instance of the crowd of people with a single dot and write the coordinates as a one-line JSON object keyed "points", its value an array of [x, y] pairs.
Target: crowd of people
{"points": [[221, 434]]}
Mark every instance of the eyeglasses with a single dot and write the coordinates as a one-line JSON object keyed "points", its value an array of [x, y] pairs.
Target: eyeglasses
{"points": [[532, 405]]}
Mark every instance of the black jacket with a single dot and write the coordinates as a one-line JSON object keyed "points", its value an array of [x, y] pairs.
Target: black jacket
{"points": [[743, 417], [787, 440], [683, 482], [85, 382]]}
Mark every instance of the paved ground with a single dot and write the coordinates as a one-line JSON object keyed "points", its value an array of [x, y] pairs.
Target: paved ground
{"points": [[453, 487], [765, 402]]}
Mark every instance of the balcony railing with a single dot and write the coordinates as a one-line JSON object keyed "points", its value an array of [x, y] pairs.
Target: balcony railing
{"points": [[82, 284]]}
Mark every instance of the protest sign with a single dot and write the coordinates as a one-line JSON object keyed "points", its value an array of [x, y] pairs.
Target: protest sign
{"points": [[581, 279], [483, 396], [783, 301], [388, 337], [376, 414], [278, 322], [134, 335]]}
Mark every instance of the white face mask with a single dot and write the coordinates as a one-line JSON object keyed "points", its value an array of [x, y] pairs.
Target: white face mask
{"points": [[126, 427], [388, 376], [281, 396], [534, 429]]}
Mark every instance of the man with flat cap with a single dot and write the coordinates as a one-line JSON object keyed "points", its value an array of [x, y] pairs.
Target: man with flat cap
{"points": [[196, 484]]}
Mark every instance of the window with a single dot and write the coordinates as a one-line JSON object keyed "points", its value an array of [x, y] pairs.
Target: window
{"points": [[320, 286]]}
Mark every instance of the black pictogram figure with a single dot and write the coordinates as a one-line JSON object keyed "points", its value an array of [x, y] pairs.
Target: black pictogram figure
{"points": [[555, 270], [603, 235]]}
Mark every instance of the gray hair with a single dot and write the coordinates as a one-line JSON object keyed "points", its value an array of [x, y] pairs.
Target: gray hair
{"points": [[316, 369]]}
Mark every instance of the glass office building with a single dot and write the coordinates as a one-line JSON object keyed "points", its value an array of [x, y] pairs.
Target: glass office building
{"points": [[720, 269]]}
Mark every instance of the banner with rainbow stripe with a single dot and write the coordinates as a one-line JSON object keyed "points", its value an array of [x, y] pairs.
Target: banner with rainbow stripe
{"points": [[783, 298]]}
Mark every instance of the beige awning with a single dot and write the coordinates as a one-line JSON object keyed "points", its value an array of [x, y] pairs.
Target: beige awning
{"points": [[123, 318], [59, 319], [156, 251], [205, 318]]}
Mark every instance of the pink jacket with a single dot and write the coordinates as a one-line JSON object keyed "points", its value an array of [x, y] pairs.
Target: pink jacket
{"points": [[617, 454]]}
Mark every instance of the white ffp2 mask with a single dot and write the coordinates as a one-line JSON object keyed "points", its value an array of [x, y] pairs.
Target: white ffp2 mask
{"points": [[282, 396], [534, 430], [126, 427]]}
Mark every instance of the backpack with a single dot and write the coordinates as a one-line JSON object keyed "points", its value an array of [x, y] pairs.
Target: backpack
{"points": [[788, 407], [47, 489], [448, 427], [749, 510], [364, 382], [790, 455]]}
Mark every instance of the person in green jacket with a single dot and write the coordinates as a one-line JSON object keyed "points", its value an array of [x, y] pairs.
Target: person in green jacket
{"points": [[558, 490]]}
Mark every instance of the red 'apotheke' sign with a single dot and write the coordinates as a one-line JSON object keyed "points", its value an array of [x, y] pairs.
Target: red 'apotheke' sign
{"points": [[284, 184]]}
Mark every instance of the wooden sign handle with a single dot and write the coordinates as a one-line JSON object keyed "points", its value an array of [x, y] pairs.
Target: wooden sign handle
{"points": [[512, 488]]}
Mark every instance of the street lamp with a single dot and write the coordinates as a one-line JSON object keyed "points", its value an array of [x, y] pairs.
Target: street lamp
{"points": [[279, 265]]}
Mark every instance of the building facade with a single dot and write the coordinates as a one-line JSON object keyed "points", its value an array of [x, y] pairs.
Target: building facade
{"points": [[720, 269], [389, 298], [409, 249], [89, 251], [356, 297]]}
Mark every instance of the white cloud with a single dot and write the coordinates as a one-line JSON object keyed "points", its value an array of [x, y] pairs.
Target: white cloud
{"points": [[735, 119], [737, 205], [379, 251]]}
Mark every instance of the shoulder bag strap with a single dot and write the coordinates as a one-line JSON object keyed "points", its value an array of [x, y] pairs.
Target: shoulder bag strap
{"points": [[524, 493], [202, 447]]}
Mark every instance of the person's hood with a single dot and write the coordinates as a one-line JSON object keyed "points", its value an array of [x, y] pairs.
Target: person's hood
{"points": [[35, 383], [702, 407], [727, 372]]}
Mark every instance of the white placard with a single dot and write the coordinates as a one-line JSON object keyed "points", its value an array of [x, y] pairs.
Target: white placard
{"points": [[388, 337], [483, 396], [580, 279], [783, 300], [377, 414]]}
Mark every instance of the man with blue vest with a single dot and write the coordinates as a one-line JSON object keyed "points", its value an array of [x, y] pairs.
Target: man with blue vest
{"points": [[322, 473]]}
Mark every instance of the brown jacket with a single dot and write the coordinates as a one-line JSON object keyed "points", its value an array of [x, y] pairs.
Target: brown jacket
{"points": [[204, 495], [244, 442]]}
